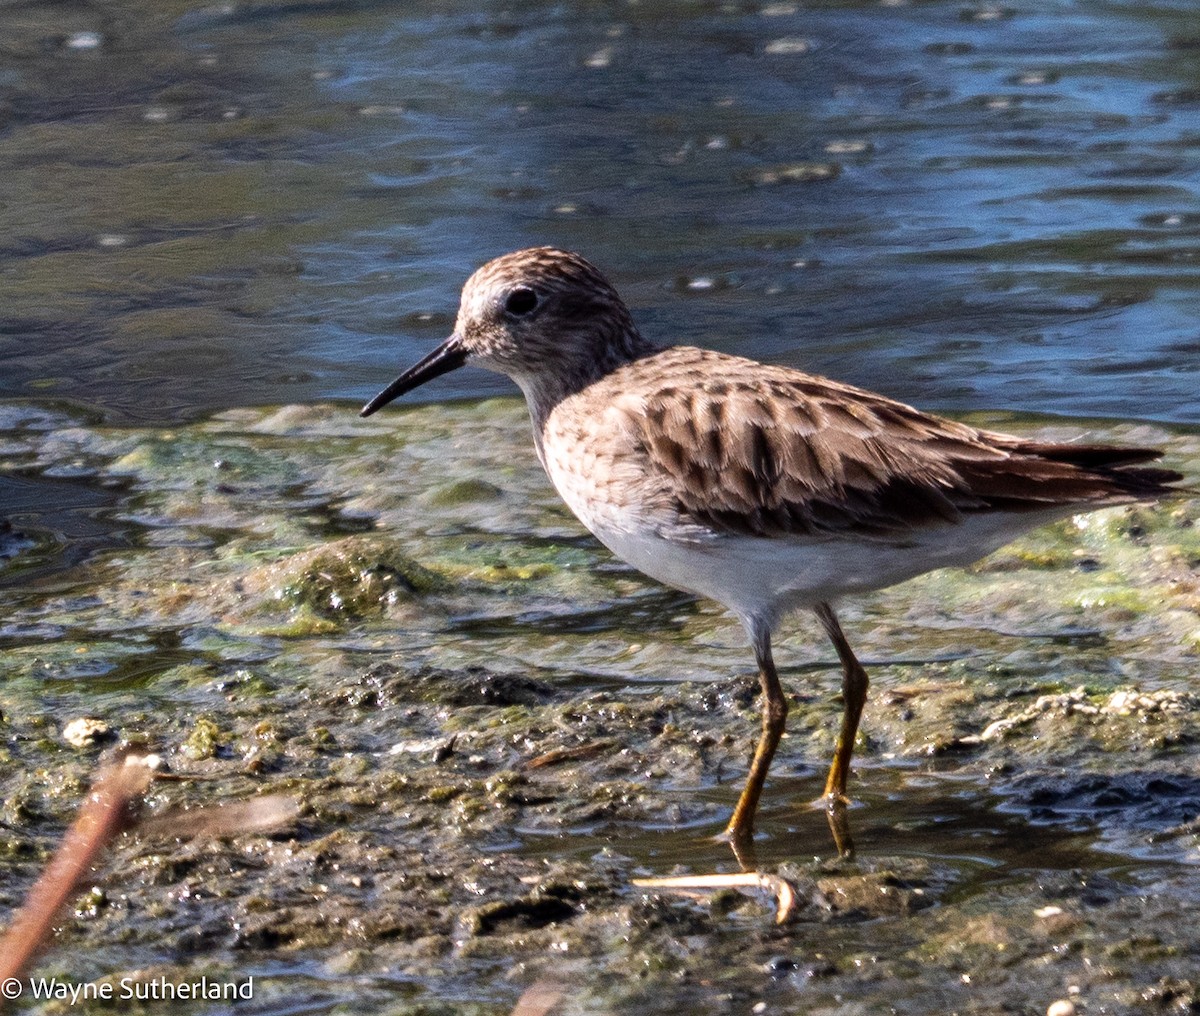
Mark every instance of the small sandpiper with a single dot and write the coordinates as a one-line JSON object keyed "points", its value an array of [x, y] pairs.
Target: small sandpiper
{"points": [[758, 486]]}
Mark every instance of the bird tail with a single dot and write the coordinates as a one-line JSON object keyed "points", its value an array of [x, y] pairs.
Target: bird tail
{"points": [[1120, 467]]}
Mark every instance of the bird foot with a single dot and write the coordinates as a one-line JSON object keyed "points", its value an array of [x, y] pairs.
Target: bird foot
{"points": [[741, 842], [837, 813]]}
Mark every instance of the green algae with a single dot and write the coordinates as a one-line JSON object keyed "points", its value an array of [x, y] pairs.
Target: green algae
{"points": [[353, 578], [492, 729], [202, 742], [464, 492]]}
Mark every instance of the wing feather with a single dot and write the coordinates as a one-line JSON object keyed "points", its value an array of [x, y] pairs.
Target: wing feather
{"points": [[768, 451]]}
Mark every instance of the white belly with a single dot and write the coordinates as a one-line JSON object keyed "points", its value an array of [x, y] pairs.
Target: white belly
{"points": [[766, 578]]}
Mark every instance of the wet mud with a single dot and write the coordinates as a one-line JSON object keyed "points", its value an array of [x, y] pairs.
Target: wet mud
{"points": [[493, 728]]}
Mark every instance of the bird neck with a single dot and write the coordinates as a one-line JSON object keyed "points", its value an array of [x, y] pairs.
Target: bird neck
{"points": [[544, 389]]}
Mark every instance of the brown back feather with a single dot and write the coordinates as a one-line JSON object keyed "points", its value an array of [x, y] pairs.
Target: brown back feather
{"points": [[768, 451]]}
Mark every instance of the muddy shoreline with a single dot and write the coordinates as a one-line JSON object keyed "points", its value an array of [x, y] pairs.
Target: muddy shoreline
{"points": [[492, 728]]}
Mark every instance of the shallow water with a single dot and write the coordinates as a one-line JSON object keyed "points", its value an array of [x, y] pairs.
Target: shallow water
{"points": [[964, 204], [492, 727]]}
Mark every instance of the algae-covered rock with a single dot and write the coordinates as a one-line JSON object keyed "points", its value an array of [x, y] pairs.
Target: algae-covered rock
{"points": [[203, 741], [348, 578]]}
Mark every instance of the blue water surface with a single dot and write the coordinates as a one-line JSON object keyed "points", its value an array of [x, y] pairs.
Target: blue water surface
{"points": [[965, 205]]}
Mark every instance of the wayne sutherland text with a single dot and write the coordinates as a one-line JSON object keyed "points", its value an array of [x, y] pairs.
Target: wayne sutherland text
{"points": [[130, 989]]}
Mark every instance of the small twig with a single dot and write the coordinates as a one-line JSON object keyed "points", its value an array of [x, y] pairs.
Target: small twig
{"points": [[538, 999], [103, 816], [786, 898], [237, 818], [106, 812], [577, 753]]}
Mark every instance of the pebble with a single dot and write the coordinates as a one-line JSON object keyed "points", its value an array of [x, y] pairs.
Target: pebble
{"points": [[85, 731]]}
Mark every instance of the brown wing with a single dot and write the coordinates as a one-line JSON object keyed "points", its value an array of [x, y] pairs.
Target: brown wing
{"points": [[769, 451]]}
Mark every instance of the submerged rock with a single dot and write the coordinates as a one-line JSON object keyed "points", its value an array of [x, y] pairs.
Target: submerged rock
{"points": [[350, 578]]}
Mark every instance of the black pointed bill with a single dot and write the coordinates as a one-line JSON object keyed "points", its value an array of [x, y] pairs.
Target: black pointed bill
{"points": [[449, 356]]}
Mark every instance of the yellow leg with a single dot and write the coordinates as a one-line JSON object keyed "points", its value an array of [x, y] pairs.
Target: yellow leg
{"points": [[740, 830], [854, 694], [837, 814]]}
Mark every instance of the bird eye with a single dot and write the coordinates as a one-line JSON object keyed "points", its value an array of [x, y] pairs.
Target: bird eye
{"points": [[521, 301]]}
